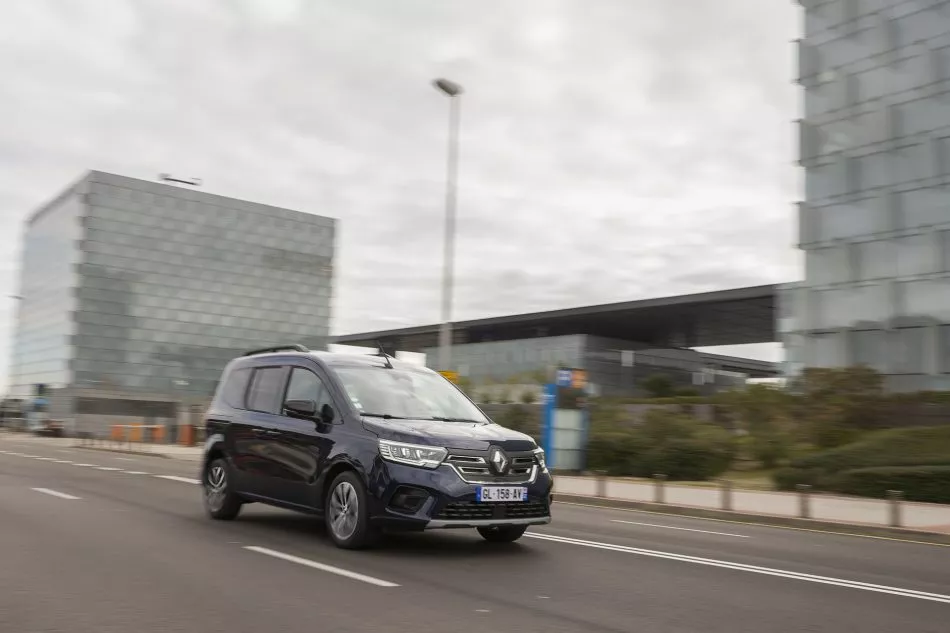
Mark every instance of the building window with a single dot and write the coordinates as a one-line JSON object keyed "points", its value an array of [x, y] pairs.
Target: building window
{"points": [[908, 350]]}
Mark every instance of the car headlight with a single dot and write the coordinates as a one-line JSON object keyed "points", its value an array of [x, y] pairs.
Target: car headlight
{"points": [[412, 454], [539, 455]]}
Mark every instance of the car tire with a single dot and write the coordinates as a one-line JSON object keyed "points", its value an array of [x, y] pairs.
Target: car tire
{"points": [[503, 533], [221, 502], [346, 512]]}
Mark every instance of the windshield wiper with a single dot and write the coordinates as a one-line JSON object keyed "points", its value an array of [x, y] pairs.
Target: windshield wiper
{"points": [[445, 419], [385, 416]]}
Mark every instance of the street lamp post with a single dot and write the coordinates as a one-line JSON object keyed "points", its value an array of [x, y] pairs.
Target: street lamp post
{"points": [[454, 92]]}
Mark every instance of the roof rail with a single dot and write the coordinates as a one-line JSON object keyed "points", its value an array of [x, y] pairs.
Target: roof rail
{"points": [[279, 348]]}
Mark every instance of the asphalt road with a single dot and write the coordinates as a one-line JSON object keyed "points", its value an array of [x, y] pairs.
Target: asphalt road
{"points": [[122, 544]]}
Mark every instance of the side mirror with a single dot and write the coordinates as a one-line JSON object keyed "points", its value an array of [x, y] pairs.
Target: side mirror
{"points": [[327, 414], [301, 408]]}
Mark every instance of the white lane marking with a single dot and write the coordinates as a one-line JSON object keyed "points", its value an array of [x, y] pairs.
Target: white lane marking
{"points": [[62, 461], [64, 450], [753, 569], [106, 468], [185, 480], [30, 456], [87, 465], [125, 459], [670, 527], [46, 459], [321, 566], [135, 472], [55, 493]]}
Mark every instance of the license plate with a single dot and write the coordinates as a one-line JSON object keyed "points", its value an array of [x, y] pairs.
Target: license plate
{"points": [[495, 494]]}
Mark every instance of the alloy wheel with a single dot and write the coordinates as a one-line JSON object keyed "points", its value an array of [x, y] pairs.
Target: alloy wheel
{"points": [[216, 488], [344, 510]]}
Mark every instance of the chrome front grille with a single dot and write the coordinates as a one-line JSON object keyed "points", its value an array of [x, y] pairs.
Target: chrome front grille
{"points": [[474, 469]]}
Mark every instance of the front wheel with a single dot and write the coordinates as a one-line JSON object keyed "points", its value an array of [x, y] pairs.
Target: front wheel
{"points": [[220, 500], [347, 513], [503, 533]]}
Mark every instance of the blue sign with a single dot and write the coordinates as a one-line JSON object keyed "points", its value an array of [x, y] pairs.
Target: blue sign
{"points": [[564, 377], [547, 422]]}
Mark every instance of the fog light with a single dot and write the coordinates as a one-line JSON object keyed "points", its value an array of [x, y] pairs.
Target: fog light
{"points": [[408, 499]]}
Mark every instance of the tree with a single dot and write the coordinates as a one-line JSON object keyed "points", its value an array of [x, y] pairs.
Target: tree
{"points": [[658, 386], [763, 412], [839, 403], [528, 397]]}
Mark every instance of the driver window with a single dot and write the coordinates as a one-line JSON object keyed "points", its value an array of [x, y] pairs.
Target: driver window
{"points": [[306, 385]]}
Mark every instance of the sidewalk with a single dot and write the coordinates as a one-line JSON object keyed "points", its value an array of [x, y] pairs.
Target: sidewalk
{"points": [[822, 507], [172, 451]]}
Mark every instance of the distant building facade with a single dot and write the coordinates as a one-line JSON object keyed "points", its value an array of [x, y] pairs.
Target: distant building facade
{"points": [[135, 294], [874, 224], [614, 368]]}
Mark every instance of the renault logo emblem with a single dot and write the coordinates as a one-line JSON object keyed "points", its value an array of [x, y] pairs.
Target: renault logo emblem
{"points": [[499, 460]]}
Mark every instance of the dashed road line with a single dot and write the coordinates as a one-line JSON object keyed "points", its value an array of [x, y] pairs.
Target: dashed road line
{"points": [[321, 566], [184, 480], [56, 493]]}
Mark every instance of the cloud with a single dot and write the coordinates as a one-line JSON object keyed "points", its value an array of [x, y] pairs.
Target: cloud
{"points": [[612, 151]]}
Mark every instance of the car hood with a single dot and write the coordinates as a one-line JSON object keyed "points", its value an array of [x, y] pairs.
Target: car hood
{"points": [[459, 435]]}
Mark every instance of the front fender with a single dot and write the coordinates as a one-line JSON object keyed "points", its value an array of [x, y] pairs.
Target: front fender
{"points": [[214, 441]]}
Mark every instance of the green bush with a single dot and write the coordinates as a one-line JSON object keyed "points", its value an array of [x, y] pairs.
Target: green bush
{"points": [[616, 453], [517, 418], [871, 466], [678, 446], [788, 478], [918, 483], [913, 446]]}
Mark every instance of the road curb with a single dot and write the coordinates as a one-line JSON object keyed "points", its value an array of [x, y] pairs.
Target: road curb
{"points": [[119, 451], [846, 529]]}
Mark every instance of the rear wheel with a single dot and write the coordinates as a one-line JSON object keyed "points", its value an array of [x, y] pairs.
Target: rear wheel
{"points": [[503, 533], [347, 513], [220, 500]]}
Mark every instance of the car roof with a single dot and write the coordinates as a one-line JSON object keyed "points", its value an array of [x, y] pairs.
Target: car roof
{"points": [[337, 359]]}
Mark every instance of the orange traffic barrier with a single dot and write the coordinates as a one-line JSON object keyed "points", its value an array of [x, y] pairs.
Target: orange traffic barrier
{"points": [[135, 433], [187, 435], [117, 433]]}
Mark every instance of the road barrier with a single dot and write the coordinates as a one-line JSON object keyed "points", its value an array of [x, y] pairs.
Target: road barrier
{"points": [[801, 504], [142, 437]]}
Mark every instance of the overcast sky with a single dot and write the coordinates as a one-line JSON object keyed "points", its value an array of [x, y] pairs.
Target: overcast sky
{"points": [[611, 150]]}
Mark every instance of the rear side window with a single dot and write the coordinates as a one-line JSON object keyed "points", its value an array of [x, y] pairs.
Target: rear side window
{"points": [[235, 388], [267, 387]]}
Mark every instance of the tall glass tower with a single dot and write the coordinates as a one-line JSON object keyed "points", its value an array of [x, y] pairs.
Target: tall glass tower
{"points": [[875, 221]]}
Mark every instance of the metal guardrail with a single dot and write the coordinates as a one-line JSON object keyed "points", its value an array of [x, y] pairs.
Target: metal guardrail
{"points": [[893, 505]]}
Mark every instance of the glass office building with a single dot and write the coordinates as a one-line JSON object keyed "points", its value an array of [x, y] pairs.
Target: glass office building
{"points": [[135, 294], [614, 368], [875, 222]]}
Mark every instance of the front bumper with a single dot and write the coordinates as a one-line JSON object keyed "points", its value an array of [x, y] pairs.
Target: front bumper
{"points": [[451, 503], [441, 524]]}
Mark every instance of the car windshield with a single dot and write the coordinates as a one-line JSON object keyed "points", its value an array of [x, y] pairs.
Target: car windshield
{"points": [[406, 394]]}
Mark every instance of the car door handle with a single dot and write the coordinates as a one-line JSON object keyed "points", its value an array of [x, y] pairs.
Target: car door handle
{"points": [[264, 432]]}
